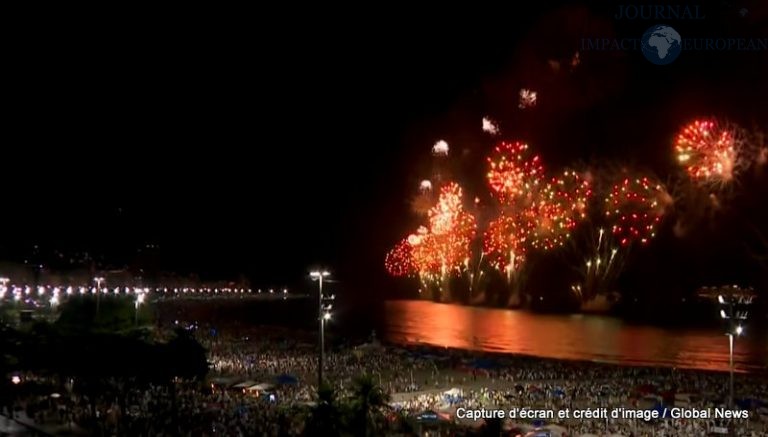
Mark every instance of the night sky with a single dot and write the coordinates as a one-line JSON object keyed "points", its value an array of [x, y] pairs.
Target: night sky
{"points": [[264, 145]]}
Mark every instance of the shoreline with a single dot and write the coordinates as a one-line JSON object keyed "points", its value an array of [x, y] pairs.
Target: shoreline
{"points": [[502, 356], [505, 359]]}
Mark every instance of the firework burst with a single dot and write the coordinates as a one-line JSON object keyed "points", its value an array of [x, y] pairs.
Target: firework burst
{"points": [[489, 126], [425, 186], [636, 207], [527, 98], [441, 249], [440, 148], [709, 151], [574, 191], [452, 229], [504, 243], [514, 175], [559, 207], [550, 220], [399, 260]]}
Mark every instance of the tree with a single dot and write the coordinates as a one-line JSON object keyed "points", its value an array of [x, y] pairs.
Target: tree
{"points": [[104, 363], [116, 314], [367, 404], [185, 357], [325, 417]]}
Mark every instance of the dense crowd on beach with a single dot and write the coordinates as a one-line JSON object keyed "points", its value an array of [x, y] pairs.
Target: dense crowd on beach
{"points": [[417, 380]]}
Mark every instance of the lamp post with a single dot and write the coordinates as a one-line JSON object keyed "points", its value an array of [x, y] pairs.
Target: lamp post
{"points": [[3, 287], [98, 280], [322, 316], [736, 332], [139, 301], [734, 302]]}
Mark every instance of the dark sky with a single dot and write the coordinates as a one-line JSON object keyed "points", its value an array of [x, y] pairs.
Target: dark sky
{"points": [[266, 143]]}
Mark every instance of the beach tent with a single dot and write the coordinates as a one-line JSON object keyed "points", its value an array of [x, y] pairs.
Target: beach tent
{"points": [[286, 379], [264, 386], [224, 381], [453, 395], [375, 346], [244, 384], [454, 392]]}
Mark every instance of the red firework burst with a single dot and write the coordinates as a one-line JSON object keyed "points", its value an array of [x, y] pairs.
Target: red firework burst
{"points": [[505, 241], [708, 151], [399, 261], [513, 175], [442, 247], [636, 207]]}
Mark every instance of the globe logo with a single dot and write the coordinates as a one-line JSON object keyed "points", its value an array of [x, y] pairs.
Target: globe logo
{"points": [[661, 44]]}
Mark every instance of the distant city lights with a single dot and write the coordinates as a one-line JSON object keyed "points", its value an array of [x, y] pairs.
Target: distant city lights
{"points": [[54, 295]]}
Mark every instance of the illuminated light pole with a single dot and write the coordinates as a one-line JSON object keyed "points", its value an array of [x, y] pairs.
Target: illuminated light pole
{"points": [[737, 331], [98, 280], [322, 317], [733, 303], [3, 287], [137, 304]]}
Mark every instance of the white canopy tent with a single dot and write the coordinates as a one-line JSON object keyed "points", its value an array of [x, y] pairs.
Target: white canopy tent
{"points": [[244, 384], [454, 392], [264, 386]]}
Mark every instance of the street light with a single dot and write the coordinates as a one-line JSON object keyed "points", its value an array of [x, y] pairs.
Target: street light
{"points": [[3, 287], [734, 302], [98, 280], [737, 332], [322, 316], [139, 301]]}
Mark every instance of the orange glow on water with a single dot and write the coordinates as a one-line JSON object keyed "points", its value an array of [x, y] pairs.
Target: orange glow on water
{"points": [[572, 337]]}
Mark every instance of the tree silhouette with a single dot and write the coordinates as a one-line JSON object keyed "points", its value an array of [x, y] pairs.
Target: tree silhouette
{"points": [[367, 404], [325, 417]]}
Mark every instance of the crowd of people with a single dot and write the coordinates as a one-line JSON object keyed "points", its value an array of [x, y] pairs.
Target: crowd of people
{"points": [[416, 379]]}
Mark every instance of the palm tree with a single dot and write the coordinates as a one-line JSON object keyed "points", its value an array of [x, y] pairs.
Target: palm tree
{"points": [[325, 418], [367, 404]]}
